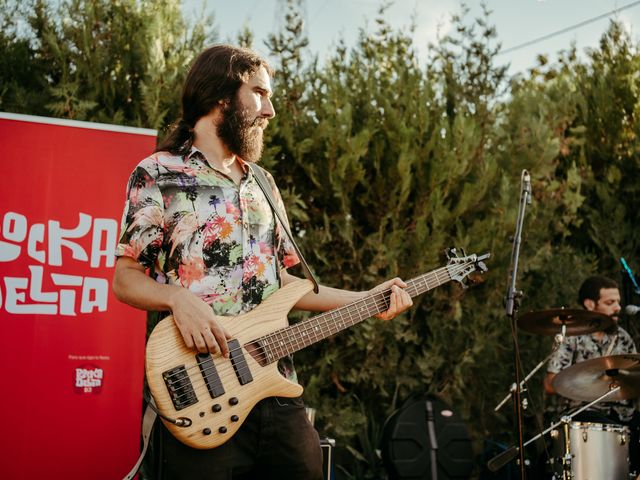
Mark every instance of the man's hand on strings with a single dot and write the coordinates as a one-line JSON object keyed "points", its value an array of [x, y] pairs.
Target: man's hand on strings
{"points": [[399, 300], [200, 328]]}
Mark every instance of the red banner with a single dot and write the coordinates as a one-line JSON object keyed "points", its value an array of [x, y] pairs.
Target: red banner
{"points": [[71, 355]]}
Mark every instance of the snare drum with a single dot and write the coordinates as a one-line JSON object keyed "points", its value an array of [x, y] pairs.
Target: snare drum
{"points": [[592, 451]]}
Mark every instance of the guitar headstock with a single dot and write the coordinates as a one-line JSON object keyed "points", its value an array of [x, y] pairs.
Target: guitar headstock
{"points": [[460, 267]]}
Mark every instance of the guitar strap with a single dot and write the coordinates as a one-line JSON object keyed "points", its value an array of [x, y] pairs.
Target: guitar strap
{"points": [[611, 345], [263, 183], [148, 420]]}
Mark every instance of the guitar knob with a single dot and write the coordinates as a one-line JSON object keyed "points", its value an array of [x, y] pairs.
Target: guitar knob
{"points": [[222, 429], [216, 408], [233, 401], [235, 418], [206, 431]]}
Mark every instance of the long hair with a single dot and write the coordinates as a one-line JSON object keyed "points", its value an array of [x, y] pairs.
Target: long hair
{"points": [[215, 75]]}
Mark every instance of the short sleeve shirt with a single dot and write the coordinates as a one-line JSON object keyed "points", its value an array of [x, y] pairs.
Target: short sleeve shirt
{"points": [[200, 230], [579, 348], [195, 227]]}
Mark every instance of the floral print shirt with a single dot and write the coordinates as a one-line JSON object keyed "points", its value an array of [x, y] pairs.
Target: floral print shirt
{"points": [[194, 227], [579, 348]]}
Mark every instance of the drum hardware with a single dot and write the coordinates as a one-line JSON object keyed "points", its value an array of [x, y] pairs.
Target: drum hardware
{"points": [[576, 322], [611, 377], [586, 380], [561, 323], [566, 457], [558, 340], [500, 460], [548, 322], [591, 451]]}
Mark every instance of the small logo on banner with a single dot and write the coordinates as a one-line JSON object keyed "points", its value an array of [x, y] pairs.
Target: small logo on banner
{"points": [[88, 379]]}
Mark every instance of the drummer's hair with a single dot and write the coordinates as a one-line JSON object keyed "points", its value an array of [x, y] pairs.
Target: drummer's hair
{"points": [[590, 288]]}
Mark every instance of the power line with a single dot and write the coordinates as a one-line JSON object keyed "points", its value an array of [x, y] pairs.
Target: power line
{"points": [[567, 29]]}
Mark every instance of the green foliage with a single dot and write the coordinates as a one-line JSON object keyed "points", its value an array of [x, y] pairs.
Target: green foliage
{"points": [[23, 73], [100, 60], [395, 162], [609, 114], [383, 162]]}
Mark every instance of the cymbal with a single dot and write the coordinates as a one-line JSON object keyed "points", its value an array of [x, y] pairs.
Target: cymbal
{"points": [[592, 378], [578, 322]]}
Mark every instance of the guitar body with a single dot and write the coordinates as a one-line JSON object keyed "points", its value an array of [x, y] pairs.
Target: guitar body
{"points": [[173, 369]]}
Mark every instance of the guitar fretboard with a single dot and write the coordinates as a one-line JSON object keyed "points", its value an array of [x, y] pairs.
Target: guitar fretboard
{"points": [[288, 340]]}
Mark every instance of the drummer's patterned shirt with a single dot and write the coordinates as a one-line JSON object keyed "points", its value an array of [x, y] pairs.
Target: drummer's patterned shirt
{"points": [[584, 347], [192, 226]]}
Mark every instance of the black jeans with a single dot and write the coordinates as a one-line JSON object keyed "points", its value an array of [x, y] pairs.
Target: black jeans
{"points": [[276, 441]]}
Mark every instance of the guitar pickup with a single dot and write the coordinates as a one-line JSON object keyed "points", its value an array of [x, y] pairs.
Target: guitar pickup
{"points": [[180, 388], [239, 362], [210, 374]]}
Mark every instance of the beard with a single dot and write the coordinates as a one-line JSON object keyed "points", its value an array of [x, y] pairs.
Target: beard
{"points": [[242, 134]]}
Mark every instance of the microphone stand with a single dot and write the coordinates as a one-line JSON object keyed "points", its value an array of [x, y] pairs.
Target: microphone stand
{"points": [[512, 304]]}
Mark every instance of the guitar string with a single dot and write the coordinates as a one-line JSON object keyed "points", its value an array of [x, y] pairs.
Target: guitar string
{"points": [[381, 301], [226, 371], [333, 313], [329, 320], [324, 321]]}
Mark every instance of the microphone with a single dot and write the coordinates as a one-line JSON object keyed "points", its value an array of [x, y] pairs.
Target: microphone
{"points": [[631, 310], [626, 268]]}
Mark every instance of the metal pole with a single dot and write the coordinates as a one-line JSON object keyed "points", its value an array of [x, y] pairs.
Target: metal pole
{"points": [[511, 306]]}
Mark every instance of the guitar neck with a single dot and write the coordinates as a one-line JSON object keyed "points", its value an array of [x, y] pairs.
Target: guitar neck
{"points": [[288, 340]]}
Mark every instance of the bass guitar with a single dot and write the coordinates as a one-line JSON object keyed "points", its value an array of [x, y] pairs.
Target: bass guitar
{"points": [[204, 398]]}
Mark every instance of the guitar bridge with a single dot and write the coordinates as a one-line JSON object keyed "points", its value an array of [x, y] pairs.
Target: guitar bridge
{"points": [[180, 388]]}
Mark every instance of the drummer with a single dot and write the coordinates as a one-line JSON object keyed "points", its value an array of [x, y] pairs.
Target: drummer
{"points": [[597, 294]]}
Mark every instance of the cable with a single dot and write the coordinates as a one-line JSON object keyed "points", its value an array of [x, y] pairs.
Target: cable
{"points": [[567, 29]]}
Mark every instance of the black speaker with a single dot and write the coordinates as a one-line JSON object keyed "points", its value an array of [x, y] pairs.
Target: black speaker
{"points": [[426, 439]]}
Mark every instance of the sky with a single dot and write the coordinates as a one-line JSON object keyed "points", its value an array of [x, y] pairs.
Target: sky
{"points": [[516, 22]]}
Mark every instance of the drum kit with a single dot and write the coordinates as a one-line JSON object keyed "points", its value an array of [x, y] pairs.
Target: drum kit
{"points": [[585, 450]]}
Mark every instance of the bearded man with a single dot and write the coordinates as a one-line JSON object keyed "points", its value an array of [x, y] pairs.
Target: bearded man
{"points": [[601, 295], [196, 217], [598, 294]]}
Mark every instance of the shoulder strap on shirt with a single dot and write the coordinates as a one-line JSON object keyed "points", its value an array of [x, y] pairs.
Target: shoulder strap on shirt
{"points": [[611, 345], [262, 181]]}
